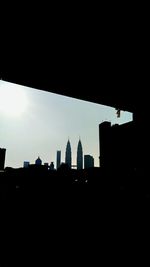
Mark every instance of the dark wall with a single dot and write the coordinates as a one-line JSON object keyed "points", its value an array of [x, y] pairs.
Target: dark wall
{"points": [[118, 145], [2, 158]]}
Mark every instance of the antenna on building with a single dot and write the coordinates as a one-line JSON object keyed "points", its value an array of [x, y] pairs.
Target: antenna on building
{"points": [[118, 112]]}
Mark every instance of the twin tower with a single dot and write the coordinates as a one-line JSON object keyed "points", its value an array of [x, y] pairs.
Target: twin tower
{"points": [[68, 157]]}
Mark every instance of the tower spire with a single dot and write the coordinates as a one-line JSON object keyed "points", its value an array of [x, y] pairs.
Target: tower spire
{"points": [[79, 155], [68, 159]]}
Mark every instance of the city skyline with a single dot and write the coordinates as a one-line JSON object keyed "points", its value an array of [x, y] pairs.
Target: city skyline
{"points": [[35, 122], [80, 164], [68, 158]]}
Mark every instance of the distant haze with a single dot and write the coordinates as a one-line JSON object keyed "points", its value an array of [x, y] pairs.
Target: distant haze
{"points": [[37, 123]]}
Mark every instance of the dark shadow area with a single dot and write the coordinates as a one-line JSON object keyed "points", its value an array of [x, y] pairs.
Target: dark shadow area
{"points": [[44, 208]]}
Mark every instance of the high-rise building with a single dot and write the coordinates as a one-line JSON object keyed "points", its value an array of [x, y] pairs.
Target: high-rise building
{"points": [[2, 158], [104, 144], [58, 159], [26, 164], [88, 161], [117, 145], [38, 161], [51, 167], [68, 159], [79, 156]]}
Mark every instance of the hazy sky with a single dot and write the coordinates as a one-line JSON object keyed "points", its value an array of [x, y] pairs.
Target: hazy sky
{"points": [[37, 123]]}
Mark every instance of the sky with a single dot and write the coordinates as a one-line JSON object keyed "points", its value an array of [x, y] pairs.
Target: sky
{"points": [[37, 123]]}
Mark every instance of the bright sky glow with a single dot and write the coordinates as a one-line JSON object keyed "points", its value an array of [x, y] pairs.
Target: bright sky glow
{"points": [[37, 123], [13, 100]]}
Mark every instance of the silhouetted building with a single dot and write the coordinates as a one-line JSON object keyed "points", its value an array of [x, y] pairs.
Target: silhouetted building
{"points": [[2, 158], [104, 143], [58, 159], [26, 164], [68, 159], [79, 156], [117, 145], [38, 161], [51, 167], [88, 161]]}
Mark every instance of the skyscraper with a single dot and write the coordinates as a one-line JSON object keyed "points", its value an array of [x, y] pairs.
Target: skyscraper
{"points": [[51, 167], [2, 158], [38, 161], [79, 156], [26, 164], [58, 159], [118, 145], [88, 161], [105, 144], [68, 159]]}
